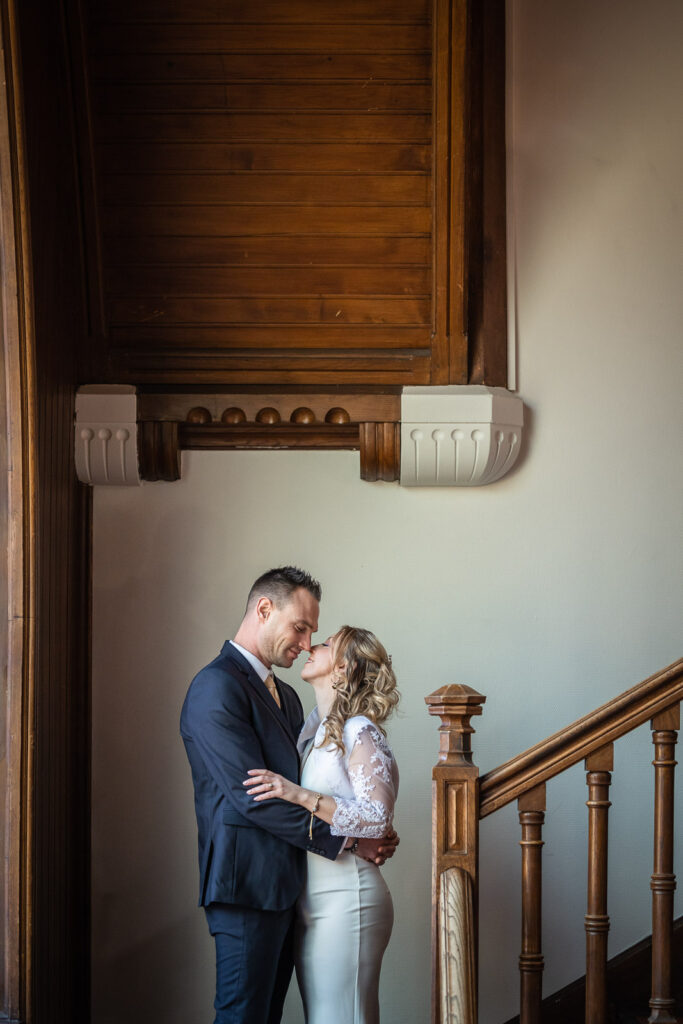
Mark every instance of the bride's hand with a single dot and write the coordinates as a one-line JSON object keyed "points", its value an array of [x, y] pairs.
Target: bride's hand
{"points": [[264, 785]]}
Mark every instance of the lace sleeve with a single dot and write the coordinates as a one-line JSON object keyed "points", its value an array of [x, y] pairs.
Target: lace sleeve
{"points": [[374, 779]]}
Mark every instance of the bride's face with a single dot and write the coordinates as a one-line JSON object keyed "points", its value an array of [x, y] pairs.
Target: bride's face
{"points": [[318, 668]]}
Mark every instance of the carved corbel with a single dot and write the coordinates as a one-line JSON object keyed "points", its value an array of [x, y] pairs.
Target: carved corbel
{"points": [[106, 435], [457, 436]]}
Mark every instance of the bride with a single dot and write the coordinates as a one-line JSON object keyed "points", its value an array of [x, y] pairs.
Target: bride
{"points": [[350, 780]]}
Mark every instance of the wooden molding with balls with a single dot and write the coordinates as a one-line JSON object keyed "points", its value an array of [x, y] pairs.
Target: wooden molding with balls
{"points": [[170, 423]]}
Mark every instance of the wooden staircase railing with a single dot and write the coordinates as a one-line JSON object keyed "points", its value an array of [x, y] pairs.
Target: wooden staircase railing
{"points": [[460, 799]]}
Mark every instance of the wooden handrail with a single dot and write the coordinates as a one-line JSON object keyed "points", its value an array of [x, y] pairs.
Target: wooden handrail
{"points": [[459, 800], [572, 744]]}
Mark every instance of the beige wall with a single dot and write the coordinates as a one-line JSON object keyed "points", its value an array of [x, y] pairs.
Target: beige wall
{"points": [[550, 591]]}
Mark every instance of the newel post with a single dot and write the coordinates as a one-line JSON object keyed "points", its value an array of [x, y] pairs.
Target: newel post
{"points": [[455, 856]]}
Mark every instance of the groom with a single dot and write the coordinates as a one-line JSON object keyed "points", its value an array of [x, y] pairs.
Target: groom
{"points": [[252, 860]]}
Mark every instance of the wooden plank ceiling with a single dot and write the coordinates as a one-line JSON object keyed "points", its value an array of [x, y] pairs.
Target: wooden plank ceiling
{"points": [[264, 192]]}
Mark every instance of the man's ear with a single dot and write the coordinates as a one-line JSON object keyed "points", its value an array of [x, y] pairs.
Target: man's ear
{"points": [[264, 606]]}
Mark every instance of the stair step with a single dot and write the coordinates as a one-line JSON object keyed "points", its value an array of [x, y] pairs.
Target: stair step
{"points": [[643, 1020]]}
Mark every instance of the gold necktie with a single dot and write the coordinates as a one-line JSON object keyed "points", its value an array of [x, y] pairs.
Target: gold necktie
{"points": [[272, 688]]}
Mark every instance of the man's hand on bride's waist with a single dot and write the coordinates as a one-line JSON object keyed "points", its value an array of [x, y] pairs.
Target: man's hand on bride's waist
{"points": [[377, 851]]}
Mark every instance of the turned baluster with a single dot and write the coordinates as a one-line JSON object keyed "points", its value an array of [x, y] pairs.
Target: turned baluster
{"points": [[599, 766], [664, 735], [455, 837], [531, 807]]}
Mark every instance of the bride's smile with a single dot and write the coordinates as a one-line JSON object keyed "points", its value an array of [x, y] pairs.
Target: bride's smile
{"points": [[319, 664]]}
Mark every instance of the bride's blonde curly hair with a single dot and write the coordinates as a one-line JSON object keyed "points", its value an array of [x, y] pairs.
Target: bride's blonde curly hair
{"points": [[364, 682]]}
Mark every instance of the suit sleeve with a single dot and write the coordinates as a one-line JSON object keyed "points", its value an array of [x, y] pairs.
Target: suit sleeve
{"points": [[218, 720]]}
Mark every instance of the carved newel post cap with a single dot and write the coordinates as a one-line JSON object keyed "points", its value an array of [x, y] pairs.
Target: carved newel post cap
{"points": [[455, 704], [447, 698]]}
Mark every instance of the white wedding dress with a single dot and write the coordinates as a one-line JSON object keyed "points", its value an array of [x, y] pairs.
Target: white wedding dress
{"points": [[345, 913]]}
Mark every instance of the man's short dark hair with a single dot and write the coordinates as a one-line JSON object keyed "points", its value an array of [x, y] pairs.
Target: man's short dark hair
{"points": [[280, 584]]}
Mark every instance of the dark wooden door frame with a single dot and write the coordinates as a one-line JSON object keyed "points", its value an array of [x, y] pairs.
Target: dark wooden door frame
{"points": [[17, 466], [45, 580]]}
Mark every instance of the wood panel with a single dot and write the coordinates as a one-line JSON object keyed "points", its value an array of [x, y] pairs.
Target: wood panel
{"points": [[252, 97], [245, 407], [340, 158], [291, 162], [219, 37], [302, 127], [273, 251], [264, 281], [486, 191], [274, 12], [347, 341], [240, 188], [17, 541], [60, 797], [214, 221], [230, 66], [204, 312], [224, 127], [288, 369]]}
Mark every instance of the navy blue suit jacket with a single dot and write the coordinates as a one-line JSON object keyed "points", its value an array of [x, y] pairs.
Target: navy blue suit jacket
{"points": [[251, 854]]}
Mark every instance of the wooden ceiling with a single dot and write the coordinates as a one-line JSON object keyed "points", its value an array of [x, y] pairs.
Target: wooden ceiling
{"points": [[292, 192]]}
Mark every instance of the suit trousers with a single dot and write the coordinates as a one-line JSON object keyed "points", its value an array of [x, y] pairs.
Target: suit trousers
{"points": [[254, 961]]}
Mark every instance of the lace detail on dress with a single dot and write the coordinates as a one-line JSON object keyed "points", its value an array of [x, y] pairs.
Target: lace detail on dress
{"points": [[372, 772]]}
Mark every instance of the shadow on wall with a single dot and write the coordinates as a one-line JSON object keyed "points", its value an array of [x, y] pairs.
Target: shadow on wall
{"points": [[527, 442], [159, 974]]}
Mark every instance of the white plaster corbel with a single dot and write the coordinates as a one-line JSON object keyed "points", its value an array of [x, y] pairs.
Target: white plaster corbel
{"points": [[106, 435], [458, 436]]}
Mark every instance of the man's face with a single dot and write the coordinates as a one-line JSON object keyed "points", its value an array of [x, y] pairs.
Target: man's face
{"points": [[287, 631]]}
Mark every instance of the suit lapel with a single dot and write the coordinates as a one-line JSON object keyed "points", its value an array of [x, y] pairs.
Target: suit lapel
{"points": [[259, 690], [286, 709]]}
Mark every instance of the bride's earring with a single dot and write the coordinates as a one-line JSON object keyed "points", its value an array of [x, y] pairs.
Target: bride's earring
{"points": [[337, 678]]}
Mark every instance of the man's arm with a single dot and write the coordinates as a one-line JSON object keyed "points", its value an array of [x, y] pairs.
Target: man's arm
{"points": [[265, 786], [218, 721]]}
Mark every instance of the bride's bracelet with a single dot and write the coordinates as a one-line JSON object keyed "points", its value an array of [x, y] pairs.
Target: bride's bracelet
{"points": [[316, 805]]}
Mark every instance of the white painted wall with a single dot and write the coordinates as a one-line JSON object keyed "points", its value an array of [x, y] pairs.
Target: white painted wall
{"points": [[550, 591]]}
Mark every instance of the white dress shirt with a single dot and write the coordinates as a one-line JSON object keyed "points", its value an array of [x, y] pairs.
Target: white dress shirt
{"points": [[259, 668]]}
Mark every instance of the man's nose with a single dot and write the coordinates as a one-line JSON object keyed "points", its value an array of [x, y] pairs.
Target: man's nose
{"points": [[305, 642]]}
